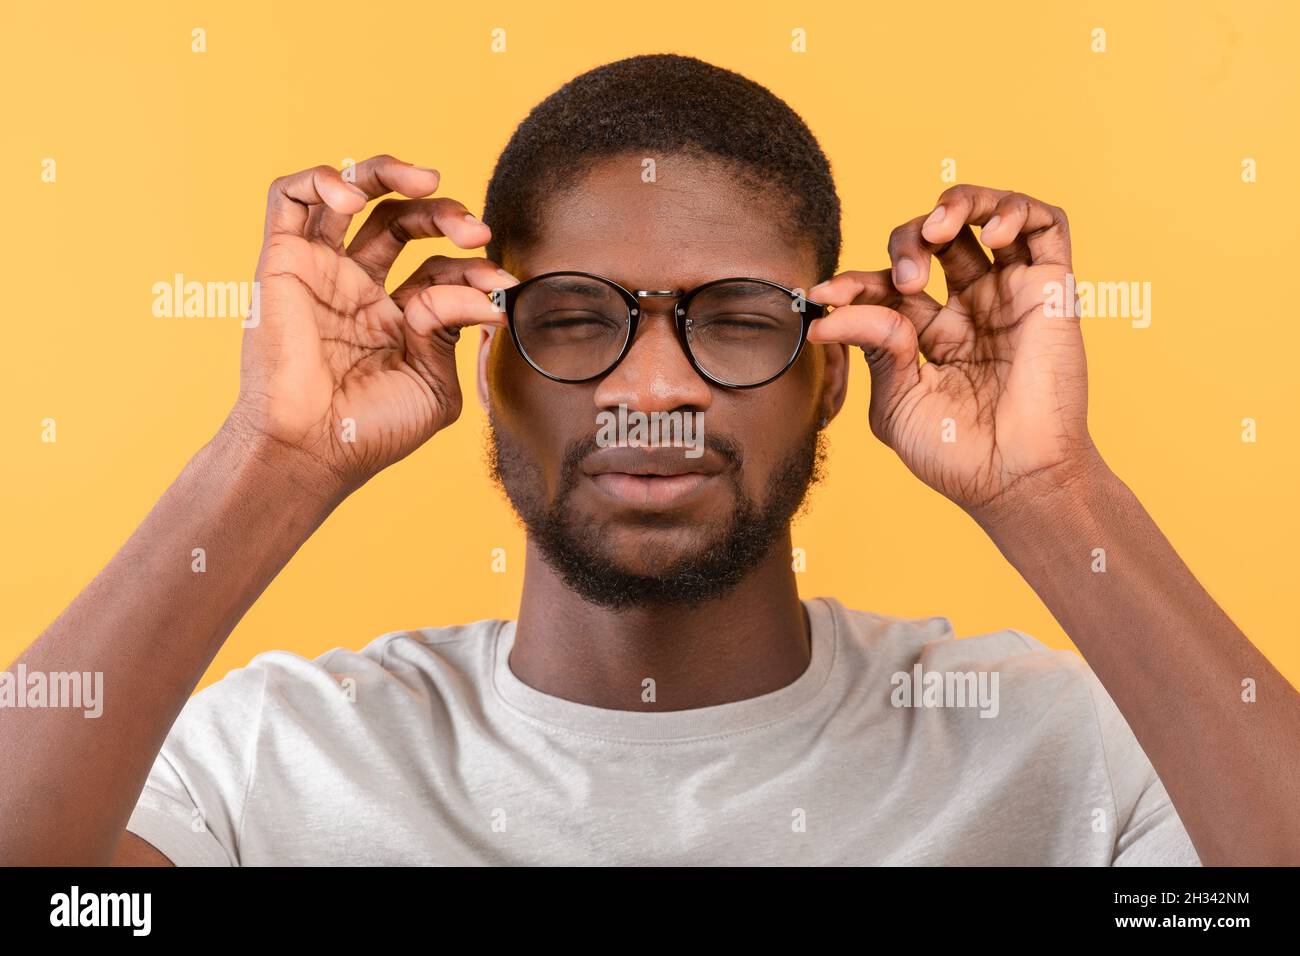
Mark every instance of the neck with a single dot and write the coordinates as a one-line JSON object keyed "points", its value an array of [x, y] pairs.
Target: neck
{"points": [[752, 641]]}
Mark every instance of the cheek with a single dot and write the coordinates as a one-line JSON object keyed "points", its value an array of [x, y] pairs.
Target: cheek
{"points": [[809, 372], [775, 420], [545, 417], [508, 380]]}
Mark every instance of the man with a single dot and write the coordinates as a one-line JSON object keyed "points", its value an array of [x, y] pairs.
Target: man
{"points": [[664, 696]]}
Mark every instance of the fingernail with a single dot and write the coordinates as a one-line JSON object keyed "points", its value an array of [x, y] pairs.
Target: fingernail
{"points": [[471, 218], [812, 293], [426, 169], [357, 191], [935, 216], [991, 225], [905, 271], [513, 280]]}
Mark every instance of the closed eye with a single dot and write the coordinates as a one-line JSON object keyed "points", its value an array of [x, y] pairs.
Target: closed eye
{"points": [[756, 322], [554, 320]]}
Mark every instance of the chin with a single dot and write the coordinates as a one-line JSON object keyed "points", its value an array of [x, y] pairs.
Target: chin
{"points": [[650, 552]]}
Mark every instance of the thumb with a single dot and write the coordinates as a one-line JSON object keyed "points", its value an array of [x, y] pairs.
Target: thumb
{"points": [[889, 341], [433, 320]]}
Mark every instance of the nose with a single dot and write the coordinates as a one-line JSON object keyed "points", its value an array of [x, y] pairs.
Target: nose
{"points": [[655, 375]]}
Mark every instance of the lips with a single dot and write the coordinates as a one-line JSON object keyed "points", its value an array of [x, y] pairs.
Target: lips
{"points": [[651, 476], [650, 460]]}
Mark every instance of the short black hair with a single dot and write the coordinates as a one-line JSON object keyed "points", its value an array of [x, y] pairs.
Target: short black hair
{"points": [[663, 104]]}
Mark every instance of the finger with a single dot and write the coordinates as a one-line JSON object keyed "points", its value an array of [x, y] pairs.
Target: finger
{"points": [[1008, 219], [1044, 228], [375, 177], [291, 198], [890, 343], [395, 222], [962, 258], [443, 310], [874, 288], [940, 332], [483, 274], [433, 319]]}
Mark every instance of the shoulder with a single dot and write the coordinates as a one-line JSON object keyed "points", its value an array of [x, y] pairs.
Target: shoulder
{"points": [[931, 641], [1033, 689], [395, 669], [1038, 693]]}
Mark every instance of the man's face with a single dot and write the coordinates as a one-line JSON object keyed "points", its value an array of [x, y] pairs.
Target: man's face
{"points": [[624, 542]]}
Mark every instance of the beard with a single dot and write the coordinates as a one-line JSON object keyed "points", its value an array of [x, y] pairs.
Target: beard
{"points": [[726, 549]]}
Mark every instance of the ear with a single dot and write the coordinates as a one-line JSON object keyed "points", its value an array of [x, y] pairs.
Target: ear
{"points": [[837, 378], [484, 350]]}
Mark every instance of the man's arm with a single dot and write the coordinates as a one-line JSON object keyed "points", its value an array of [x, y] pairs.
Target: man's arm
{"points": [[135, 851], [151, 624], [1172, 661], [328, 345], [996, 420]]}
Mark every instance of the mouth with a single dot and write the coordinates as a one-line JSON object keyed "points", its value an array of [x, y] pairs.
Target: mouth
{"points": [[651, 477], [651, 491]]}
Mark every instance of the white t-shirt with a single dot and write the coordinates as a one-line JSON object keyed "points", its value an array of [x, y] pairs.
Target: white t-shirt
{"points": [[425, 748]]}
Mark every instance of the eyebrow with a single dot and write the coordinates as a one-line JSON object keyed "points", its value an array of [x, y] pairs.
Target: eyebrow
{"points": [[737, 291], [588, 287], [592, 289]]}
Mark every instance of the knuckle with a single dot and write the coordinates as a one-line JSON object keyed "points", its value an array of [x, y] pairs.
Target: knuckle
{"points": [[899, 339], [443, 330], [446, 206], [399, 233], [438, 269], [890, 341]]}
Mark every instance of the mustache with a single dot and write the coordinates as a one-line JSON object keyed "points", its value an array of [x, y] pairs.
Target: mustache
{"points": [[577, 450]]}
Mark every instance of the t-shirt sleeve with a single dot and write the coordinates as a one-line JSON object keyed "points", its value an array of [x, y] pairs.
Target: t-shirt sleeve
{"points": [[1150, 832], [191, 808]]}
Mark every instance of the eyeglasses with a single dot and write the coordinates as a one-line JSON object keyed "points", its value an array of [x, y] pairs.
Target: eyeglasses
{"points": [[737, 333]]}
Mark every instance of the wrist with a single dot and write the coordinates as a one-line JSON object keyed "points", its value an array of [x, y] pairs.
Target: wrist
{"points": [[1068, 495], [254, 459]]}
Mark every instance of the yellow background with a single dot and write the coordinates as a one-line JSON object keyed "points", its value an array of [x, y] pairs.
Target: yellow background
{"points": [[164, 156]]}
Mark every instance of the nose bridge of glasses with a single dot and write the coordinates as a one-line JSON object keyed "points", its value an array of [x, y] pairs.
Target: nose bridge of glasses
{"points": [[643, 294], [664, 335]]}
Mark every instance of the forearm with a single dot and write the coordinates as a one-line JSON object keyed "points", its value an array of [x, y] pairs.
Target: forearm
{"points": [[151, 623], [1172, 661]]}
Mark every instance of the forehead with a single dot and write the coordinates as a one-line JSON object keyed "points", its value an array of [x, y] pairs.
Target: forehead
{"points": [[690, 223]]}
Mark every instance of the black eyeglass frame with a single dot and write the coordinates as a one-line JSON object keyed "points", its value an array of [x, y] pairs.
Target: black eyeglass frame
{"points": [[632, 298]]}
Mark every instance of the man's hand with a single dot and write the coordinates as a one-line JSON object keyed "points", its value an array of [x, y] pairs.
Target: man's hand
{"points": [[999, 409], [344, 376]]}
